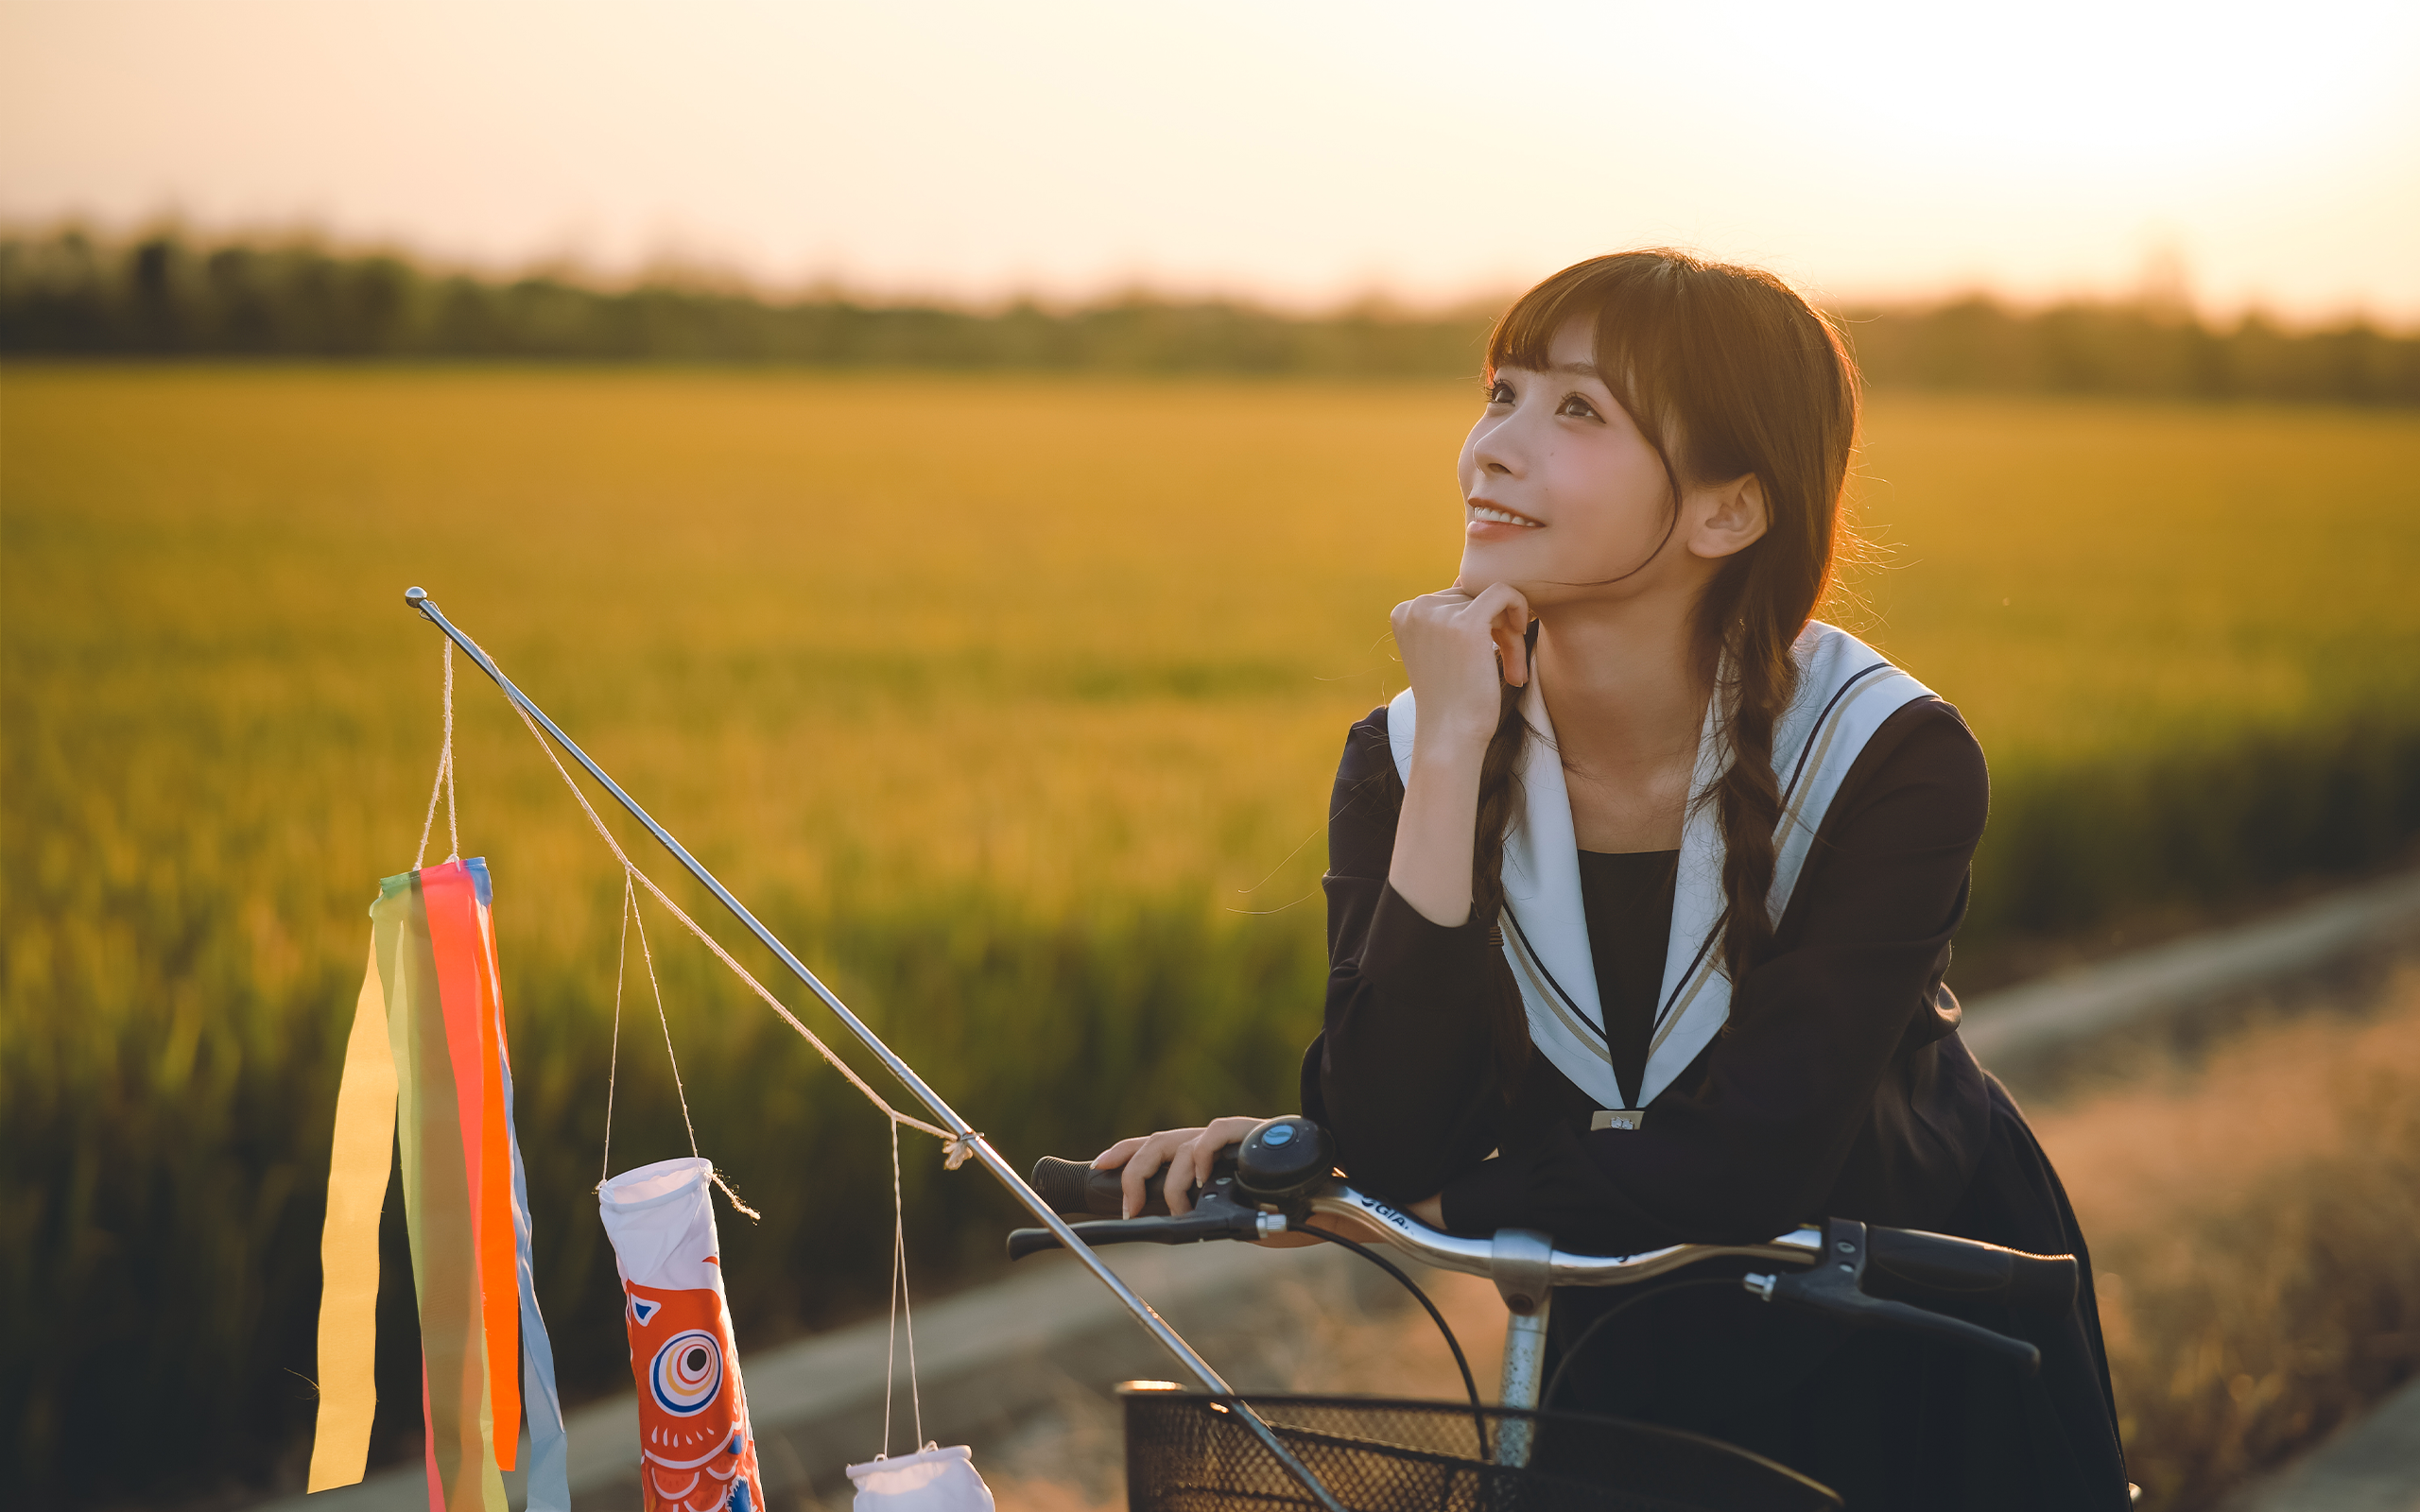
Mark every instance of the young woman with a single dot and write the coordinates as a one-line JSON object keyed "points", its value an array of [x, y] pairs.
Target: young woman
{"points": [[1640, 898]]}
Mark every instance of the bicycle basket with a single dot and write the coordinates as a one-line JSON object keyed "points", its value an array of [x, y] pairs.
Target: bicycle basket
{"points": [[1187, 1452]]}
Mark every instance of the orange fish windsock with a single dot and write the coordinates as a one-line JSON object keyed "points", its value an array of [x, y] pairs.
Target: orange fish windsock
{"points": [[698, 1453]]}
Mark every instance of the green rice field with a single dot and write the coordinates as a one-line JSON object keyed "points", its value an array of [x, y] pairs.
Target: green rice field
{"points": [[1011, 702]]}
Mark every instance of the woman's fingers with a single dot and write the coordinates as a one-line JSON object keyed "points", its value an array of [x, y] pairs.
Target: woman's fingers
{"points": [[1218, 1138], [1488, 601], [1445, 600], [1194, 1163], [1150, 1153], [1461, 648], [1188, 1156], [1176, 1187], [1211, 1142], [1503, 612], [1510, 629]]}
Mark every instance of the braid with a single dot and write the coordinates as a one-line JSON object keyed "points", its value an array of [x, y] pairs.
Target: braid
{"points": [[1499, 793], [1747, 797], [1499, 796]]}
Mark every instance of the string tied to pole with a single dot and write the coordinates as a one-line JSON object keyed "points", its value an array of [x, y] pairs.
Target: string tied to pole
{"points": [[444, 784], [612, 1065], [956, 1145], [899, 1308]]}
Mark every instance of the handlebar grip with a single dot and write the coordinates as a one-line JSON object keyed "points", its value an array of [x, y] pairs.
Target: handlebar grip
{"points": [[1911, 1263], [1074, 1187], [1850, 1257], [1954, 1330]]}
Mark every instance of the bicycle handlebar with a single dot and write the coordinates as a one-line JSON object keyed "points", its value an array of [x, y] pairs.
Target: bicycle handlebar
{"points": [[1272, 1185], [1476, 1257], [1903, 1263], [1218, 1215]]}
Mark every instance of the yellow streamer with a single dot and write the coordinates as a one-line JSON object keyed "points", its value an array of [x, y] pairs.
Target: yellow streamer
{"points": [[357, 1167]]}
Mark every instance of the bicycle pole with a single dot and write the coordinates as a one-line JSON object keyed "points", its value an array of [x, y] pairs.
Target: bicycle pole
{"points": [[1157, 1327]]}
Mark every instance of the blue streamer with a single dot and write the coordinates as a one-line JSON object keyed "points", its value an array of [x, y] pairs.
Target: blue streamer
{"points": [[549, 1472]]}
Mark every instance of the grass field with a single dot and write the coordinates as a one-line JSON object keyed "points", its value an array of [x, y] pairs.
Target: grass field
{"points": [[2251, 1215], [1012, 702]]}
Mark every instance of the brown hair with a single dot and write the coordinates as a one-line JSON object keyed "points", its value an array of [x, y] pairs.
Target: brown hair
{"points": [[1726, 372]]}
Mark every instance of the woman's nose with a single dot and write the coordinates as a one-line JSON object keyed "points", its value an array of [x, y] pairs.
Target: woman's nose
{"points": [[1497, 454]]}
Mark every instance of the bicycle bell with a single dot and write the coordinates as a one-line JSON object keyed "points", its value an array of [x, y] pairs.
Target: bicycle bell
{"points": [[1283, 1160]]}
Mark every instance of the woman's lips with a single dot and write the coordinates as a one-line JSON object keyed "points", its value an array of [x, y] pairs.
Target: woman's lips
{"points": [[1490, 521]]}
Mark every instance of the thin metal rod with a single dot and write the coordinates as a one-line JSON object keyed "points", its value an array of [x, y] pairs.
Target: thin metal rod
{"points": [[992, 1161]]}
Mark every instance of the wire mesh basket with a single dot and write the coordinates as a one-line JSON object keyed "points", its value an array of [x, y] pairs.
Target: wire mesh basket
{"points": [[1187, 1452]]}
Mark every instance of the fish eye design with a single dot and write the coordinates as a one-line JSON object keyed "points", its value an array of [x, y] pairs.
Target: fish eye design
{"points": [[686, 1375]]}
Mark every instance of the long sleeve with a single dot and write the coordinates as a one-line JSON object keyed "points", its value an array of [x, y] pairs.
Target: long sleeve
{"points": [[1402, 1073]]}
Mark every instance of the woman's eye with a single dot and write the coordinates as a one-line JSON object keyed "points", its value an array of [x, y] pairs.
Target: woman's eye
{"points": [[1578, 407], [1499, 393]]}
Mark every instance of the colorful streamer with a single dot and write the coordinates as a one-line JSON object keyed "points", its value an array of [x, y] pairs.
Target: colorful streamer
{"points": [[357, 1162], [483, 1343]]}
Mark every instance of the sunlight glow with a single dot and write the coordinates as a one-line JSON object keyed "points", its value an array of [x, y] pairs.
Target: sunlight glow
{"points": [[1300, 154]]}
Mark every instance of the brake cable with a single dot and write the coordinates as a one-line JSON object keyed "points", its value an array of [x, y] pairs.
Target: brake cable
{"points": [[1588, 1334], [1462, 1361]]}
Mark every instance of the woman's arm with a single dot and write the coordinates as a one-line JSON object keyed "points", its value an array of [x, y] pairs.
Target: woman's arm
{"points": [[1403, 1072], [1459, 651], [1407, 972]]}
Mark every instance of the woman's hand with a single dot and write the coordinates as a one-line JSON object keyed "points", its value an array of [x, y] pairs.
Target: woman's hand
{"points": [[1459, 650], [1187, 1153]]}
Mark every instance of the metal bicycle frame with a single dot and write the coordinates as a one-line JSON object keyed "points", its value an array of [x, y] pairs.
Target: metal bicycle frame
{"points": [[1157, 1327]]}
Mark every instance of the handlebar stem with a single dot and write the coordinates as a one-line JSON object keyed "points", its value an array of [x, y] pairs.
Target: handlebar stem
{"points": [[1522, 1263]]}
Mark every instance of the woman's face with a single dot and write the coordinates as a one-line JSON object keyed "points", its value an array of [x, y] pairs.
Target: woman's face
{"points": [[1561, 492]]}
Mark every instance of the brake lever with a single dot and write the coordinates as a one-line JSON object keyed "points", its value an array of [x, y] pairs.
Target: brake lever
{"points": [[1834, 1285], [1218, 1213]]}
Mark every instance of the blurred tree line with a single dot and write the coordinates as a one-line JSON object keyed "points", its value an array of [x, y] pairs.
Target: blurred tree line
{"points": [[71, 294]]}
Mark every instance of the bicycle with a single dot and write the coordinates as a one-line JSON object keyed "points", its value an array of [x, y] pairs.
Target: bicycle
{"points": [[1190, 1451]]}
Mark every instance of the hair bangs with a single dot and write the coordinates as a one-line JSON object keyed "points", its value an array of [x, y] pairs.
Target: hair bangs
{"points": [[1628, 301]]}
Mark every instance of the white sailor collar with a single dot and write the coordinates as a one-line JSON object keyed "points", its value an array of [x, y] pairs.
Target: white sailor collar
{"points": [[1846, 689]]}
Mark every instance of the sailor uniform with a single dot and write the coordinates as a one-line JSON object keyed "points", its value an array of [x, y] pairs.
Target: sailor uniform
{"points": [[1831, 1082]]}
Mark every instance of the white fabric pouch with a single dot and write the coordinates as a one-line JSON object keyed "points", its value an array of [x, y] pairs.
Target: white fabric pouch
{"points": [[937, 1480]]}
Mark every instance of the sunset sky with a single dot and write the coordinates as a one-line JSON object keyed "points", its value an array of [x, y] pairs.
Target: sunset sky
{"points": [[1298, 153]]}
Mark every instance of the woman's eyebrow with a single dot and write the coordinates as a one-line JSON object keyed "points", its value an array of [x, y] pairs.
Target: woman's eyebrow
{"points": [[1584, 370]]}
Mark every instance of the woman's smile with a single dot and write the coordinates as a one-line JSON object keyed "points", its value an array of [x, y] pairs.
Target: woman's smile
{"points": [[1490, 521]]}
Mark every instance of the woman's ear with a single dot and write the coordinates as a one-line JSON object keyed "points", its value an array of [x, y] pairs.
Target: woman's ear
{"points": [[1728, 518]]}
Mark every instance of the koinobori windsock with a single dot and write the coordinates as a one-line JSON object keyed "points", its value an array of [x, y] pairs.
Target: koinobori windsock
{"points": [[697, 1451], [427, 1061]]}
